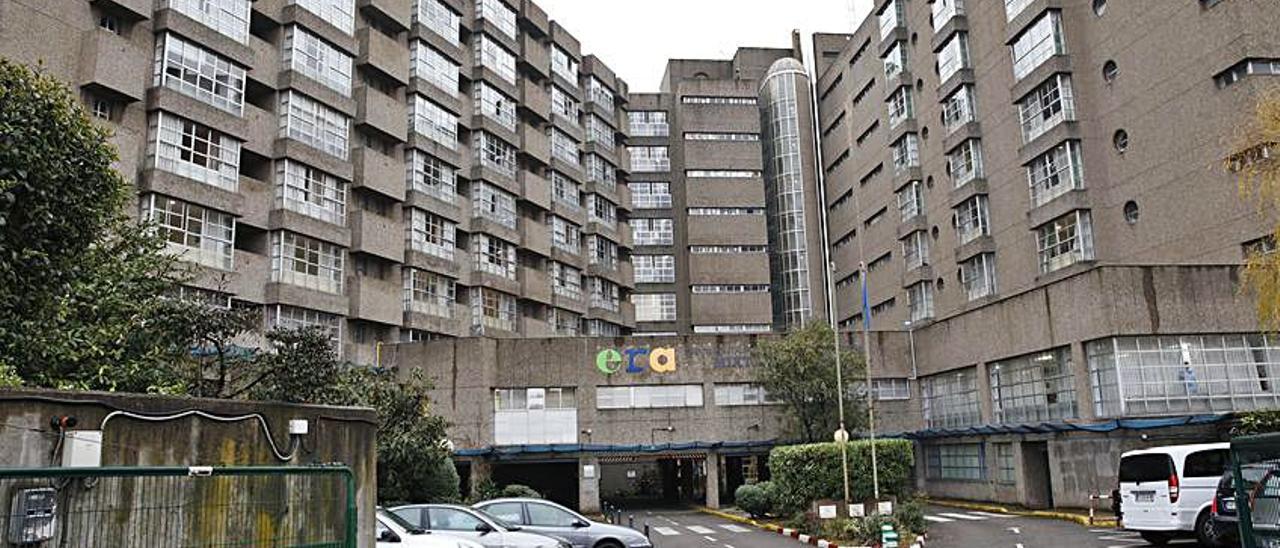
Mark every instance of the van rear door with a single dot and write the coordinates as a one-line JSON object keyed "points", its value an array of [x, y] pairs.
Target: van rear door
{"points": [[1144, 492]]}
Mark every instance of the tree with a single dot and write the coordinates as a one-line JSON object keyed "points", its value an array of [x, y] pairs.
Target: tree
{"points": [[800, 370], [1255, 159]]}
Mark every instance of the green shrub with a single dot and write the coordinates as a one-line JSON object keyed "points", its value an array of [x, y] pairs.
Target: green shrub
{"points": [[753, 499], [517, 491], [805, 473], [862, 531], [909, 517]]}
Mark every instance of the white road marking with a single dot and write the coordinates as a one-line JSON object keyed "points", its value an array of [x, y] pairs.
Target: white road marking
{"points": [[701, 530], [735, 528], [728, 546], [666, 531], [1019, 545], [709, 539], [937, 519], [965, 517], [991, 515], [1016, 530]]}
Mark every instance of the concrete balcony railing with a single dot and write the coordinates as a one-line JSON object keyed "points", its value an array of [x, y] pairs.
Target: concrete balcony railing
{"points": [[378, 172], [455, 320], [131, 9], [259, 198], [535, 99], [535, 285], [381, 112], [377, 235], [534, 189], [536, 237], [535, 54], [376, 300], [398, 13], [535, 144], [383, 53], [266, 62], [262, 127], [253, 271], [534, 328], [110, 65]]}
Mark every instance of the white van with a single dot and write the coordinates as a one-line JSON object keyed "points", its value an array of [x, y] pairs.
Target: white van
{"points": [[1166, 492]]}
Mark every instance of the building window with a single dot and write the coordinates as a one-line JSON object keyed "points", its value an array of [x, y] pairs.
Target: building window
{"points": [[565, 105], [430, 176], [1040, 41], [649, 159], [726, 249], [429, 293], [1110, 71], [565, 235], [1065, 241], [195, 151], [654, 307], [1047, 106], [312, 123], [437, 16], [494, 153], [649, 396], [717, 100], [915, 249], [489, 54], [602, 328], [101, 109], [964, 163], [566, 191], [960, 461], [650, 231], [435, 123], [566, 323], [650, 195], [228, 17], [493, 310], [306, 262], [648, 123], [1013, 7], [978, 276], [714, 289], [906, 153], [890, 389], [958, 108], [339, 13], [564, 148], [1121, 141], [1245, 68], [199, 73], [292, 317], [735, 394], [1055, 173], [492, 104], [492, 203], [599, 132], [197, 234], [1033, 389], [317, 60], [911, 200], [721, 136], [721, 174], [920, 301], [430, 65], [719, 329], [654, 269], [604, 294], [600, 94], [564, 65], [950, 400], [110, 24], [498, 13], [494, 256], [311, 192], [892, 17], [602, 210], [602, 252], [972, 220], [1188, 374], [724, 211], [944, 10], [901, 107], [953, 56], [895, 61], [566, 281], [1005, 468], [430, 234]]}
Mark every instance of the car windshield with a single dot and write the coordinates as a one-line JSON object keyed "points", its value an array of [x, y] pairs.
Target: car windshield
{"points": [[392, 517], [1146, 467], [496, 521], [1251, 474]]}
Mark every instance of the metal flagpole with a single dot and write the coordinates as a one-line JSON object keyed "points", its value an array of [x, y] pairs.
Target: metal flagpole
{"points": [[866, 348], [842, 435]]}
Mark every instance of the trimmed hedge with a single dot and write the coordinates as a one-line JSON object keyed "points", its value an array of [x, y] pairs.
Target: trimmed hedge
{"points": [[802, 474]]}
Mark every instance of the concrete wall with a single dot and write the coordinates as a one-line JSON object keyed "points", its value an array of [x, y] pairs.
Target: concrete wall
{"points": [[337, 435]]}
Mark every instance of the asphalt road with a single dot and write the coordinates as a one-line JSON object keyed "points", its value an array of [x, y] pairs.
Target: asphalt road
{"points": [[691, 529], [951, 528]]}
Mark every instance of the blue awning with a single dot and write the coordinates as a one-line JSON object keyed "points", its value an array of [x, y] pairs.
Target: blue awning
{"points": [[1065, 426]]}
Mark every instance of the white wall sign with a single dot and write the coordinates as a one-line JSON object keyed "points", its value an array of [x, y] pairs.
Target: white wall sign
{"points": [[589, 471], [885, 508], [827, 512], [857, 510]]}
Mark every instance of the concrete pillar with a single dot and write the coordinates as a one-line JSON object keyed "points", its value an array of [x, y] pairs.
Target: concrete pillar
{"points": [[1084, 385], [713, 480], [481, 470], [588, 484], [985, 405]]}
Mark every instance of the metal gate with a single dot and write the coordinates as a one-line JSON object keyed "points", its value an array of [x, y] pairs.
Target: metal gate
{"points": [[201, 506], [1255, 465]]}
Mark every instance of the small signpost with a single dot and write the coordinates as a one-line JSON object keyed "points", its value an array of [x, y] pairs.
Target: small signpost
{"points": [[888, 537]]}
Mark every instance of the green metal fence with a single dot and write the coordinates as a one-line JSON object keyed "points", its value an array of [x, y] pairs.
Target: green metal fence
{"points": [[1255, 465], [128, 507]]}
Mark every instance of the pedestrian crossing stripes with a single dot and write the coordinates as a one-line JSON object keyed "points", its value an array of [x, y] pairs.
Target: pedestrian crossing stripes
{"points": [[948, 517], [700, 530], [735, 528], [666, 531]]}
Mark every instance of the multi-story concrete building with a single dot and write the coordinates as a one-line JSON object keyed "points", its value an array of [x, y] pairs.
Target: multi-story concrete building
{"points": [[391, 170], [724, 182], [1038, 192]]}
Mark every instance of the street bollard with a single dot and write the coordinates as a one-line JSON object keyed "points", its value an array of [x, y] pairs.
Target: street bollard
{"points": [[646, 530], [631, 521]]}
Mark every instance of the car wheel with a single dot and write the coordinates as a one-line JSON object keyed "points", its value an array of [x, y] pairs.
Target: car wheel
{"points": [[1156, 538], [1207, 531], [608, 544]]}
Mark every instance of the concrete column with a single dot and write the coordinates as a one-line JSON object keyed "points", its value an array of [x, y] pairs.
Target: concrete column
{"points": [[1084, 385], [481, 470], [588, 484], [713, 480], [985, 404]]}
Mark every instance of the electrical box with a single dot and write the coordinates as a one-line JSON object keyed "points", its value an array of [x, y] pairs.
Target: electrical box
{"points": [[298, 427], [82, 448], [32, 515]]}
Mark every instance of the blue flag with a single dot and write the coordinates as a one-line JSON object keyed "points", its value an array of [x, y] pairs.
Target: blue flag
{"points": [[866, 303]]}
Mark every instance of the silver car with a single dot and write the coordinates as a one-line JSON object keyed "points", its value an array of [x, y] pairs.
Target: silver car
{"points": [[474, 525], [550, 518]]}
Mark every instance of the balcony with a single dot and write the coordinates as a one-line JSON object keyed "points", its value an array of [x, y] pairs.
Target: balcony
{"points": [[137, 10], [110, 65], [534, 189], [535, 285], [535, 99], [383, 53], [378, 172], [259, 198], [381, 112], [535, 328], [262, 127], [377, 235], [535, 55], [266, 62], [376, 300], [457, 322], [253, 272], [536, 237], [535, 144], [396, 13]]}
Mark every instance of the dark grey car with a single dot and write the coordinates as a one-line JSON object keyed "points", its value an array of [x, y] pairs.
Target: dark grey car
{"points": [[550, 518]]}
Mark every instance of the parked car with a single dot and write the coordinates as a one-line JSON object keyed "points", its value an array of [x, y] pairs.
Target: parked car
{"points": [[1225, 514], [474, 525], [1167, 492], [548, 517], [393, 532]]}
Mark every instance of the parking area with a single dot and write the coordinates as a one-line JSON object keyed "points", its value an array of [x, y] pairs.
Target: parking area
{"points": [[951, 528], [692, 529]]}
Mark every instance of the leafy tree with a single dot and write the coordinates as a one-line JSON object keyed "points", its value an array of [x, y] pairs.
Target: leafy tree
{"points": [[800, 370], [1255, 159]]}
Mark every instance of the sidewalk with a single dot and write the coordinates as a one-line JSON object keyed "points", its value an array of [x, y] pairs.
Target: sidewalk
{"points": [[1102, 516]]}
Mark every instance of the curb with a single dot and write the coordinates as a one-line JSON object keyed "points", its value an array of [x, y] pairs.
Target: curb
{"points": [[807, 539], [1064, 516]]}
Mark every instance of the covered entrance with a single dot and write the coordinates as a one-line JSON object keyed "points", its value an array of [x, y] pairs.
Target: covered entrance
{"points": [[647, 481]]}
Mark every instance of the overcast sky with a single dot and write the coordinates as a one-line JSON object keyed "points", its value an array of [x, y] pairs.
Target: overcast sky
{"points": [[636, 37]]}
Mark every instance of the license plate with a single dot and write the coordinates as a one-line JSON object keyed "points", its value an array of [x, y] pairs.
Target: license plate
{"points": [[1145, 496], [1229, 505]]}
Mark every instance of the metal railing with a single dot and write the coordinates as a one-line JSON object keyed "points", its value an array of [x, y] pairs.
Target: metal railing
{"points": [[200, 506], [1255, 465]]}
